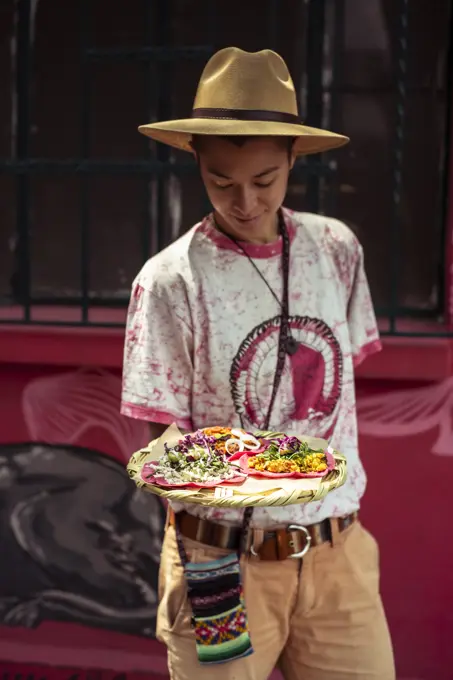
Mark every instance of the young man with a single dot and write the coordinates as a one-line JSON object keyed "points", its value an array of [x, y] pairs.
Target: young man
{"points": [[252, 291]]}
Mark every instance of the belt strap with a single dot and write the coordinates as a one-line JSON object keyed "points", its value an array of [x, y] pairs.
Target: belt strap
{"points": [[273, 545]]}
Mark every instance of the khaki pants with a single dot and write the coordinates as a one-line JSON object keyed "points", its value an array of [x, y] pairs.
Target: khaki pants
{"points": [[320, 619]]}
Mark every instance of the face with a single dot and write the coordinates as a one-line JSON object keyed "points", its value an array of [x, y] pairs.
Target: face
{"points": [[246, 184]]}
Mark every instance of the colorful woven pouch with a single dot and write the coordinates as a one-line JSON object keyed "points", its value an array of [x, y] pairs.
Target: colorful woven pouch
{"points": [[219, 616], [216, 595]]}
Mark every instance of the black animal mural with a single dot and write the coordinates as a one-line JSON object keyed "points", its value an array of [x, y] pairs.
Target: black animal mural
{"points": [[80, 544]]}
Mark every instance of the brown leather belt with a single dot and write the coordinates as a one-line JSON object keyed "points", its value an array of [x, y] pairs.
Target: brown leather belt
{"points": [[281, 544]]}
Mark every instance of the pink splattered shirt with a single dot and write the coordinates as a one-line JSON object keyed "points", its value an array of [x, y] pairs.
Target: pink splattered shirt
{"points": [[202, 336]]}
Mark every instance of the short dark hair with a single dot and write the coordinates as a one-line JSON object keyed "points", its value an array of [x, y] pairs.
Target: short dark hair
{"points": [[241, 140]]}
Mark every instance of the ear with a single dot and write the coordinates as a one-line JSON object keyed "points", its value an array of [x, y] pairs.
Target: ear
{"points": [[195, 152], [292, 155]]}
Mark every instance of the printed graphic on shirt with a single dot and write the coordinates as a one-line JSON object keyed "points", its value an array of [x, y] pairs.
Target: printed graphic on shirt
{"points": [[311, 384]]}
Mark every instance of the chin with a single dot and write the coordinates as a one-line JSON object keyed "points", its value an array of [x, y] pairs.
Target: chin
{"points": [[247, 226], [256, 229]]}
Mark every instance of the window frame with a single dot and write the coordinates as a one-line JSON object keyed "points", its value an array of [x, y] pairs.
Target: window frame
{"points": [[313, 169]]}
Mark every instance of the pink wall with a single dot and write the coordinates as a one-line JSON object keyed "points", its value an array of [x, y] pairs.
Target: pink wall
{"points": [[407, 447]]}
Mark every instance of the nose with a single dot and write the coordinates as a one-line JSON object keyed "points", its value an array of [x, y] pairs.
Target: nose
{"points": [[245, 200]]}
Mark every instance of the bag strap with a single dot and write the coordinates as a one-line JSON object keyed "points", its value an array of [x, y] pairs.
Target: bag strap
{"points": [[281, 357], [284, 318]]}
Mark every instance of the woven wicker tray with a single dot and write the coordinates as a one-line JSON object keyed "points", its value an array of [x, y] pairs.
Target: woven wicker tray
{"points": [[255, 492]]}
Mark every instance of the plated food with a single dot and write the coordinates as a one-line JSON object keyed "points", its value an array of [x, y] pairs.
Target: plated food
{"points": [[285, 456], [217, 456], [230, 440], [195, 460]]}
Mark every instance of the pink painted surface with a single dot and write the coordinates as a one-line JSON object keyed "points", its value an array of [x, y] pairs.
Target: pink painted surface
{"points": [[448, 255], [403, 358], [66, 406], [407, 449]]}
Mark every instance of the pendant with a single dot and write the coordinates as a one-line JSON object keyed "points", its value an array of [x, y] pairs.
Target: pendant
{"points": [[291, 345]]}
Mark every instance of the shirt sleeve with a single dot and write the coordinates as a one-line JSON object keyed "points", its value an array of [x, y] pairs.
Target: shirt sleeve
{"points": [[363, 329], [158, 367]]}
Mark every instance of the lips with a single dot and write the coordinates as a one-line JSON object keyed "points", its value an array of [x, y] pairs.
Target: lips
{"points": [[247, 220]]}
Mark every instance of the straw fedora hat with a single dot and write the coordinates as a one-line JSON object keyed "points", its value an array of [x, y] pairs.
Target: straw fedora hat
{"points": [[244, 93]]}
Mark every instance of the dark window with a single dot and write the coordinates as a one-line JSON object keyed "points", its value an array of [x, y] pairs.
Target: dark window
{"points": [[84, 198]]}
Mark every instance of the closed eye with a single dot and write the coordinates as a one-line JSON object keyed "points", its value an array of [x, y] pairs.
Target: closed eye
{"points": [[263, 185]]}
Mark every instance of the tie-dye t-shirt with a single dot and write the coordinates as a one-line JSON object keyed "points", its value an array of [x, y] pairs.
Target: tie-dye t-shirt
{"points": [[202, 337]]}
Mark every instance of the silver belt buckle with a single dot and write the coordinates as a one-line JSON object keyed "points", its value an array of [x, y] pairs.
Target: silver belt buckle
{"points": [[306, 548]]}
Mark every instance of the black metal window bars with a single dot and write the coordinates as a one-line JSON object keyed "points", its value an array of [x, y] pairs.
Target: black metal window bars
{"points": [[314, 171]]}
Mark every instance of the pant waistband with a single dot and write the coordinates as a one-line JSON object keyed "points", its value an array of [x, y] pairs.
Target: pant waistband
{"points": [[293, 542]]}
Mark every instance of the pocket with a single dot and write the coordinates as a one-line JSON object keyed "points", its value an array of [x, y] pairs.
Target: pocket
{"points": [[362, 553], [174, 614]]}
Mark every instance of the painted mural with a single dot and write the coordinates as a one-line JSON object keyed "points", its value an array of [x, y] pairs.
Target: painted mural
{"points": [[411, 412], [83, 544], [76, 553], [79, 587]]}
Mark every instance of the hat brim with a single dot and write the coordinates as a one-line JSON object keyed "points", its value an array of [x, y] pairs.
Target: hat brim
{"points": [[178, 133]]}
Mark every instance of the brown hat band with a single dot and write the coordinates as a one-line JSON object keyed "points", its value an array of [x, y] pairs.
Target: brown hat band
{"points": [[247, 114]]}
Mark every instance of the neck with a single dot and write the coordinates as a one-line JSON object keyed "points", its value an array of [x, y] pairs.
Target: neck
{"points": [[268, 234]]}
